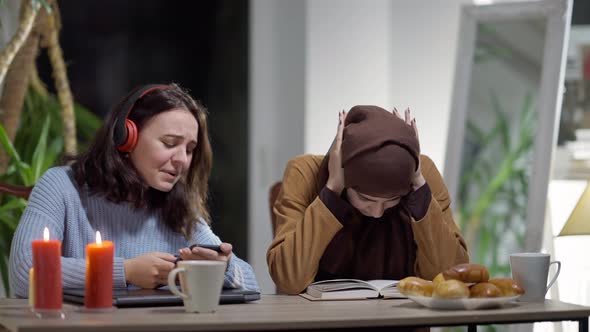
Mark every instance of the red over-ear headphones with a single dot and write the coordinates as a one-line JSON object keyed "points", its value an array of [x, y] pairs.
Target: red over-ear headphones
{"points": [[125, 132]]}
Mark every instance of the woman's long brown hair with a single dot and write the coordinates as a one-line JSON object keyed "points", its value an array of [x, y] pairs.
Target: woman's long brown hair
{"points": [[110, 173]]}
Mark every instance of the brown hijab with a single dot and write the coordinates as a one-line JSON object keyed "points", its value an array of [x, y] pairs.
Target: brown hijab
{"points": [[379, 155], [379, 152]]}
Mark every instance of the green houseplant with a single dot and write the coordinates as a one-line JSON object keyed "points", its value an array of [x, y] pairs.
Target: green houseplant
{"points": [[28, 109], [38, 146], [494, 187]]}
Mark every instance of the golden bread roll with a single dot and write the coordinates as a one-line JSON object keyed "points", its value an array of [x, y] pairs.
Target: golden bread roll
{"points": [[451, 289], [507, 286], [469, 273], [415, 286], [439, 277], [484, 289]]}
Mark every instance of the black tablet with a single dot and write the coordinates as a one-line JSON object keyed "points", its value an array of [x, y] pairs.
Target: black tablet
{"points": [[134, 297]]}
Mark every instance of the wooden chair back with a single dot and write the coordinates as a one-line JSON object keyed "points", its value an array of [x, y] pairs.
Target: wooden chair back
{"points": [[19, 191]]}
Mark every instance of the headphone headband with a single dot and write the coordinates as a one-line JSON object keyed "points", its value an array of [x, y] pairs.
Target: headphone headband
{"points": [[125, 131]]}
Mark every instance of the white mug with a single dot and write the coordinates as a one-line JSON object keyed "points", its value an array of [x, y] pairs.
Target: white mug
{"points": [[201, 283], [530, 271]]}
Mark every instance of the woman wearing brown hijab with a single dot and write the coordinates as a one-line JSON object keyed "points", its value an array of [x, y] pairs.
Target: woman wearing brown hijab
{"points": [[372, 208]]}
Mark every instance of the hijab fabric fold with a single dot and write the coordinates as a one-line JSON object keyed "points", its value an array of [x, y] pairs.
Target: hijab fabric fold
{"points": [[379, 152]]}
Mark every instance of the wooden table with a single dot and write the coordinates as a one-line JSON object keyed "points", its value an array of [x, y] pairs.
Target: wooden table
{"points": [[281, 312]]}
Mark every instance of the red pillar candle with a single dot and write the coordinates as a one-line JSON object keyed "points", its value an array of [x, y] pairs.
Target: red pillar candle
{"points": [[47, 266], [99, 274]]}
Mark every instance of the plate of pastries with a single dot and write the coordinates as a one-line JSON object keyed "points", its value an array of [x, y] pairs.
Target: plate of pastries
{"points": [[462, 287]]}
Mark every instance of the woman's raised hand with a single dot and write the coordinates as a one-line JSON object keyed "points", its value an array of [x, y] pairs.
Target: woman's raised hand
{"points": [[418, 180], [336, 177], [407, 117]]}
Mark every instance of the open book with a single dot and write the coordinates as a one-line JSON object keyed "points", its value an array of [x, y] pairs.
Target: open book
{"points": [[351, 289]]}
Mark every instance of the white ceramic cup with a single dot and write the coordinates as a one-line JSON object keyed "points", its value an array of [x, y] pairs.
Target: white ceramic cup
{"points": [[530, 270], [201, 283]]}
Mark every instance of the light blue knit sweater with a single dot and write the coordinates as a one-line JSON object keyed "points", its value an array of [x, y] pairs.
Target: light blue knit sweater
{"points": [[73, 216]]}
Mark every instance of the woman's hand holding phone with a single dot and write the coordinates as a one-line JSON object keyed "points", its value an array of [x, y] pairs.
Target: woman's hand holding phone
{"points": [[220, 252]]}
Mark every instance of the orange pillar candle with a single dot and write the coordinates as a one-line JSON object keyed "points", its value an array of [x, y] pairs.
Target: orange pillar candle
{"points": [[47, 266], [99, 274]]}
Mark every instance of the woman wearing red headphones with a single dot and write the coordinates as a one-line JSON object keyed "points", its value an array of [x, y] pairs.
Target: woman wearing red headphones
{"points": [[144, 185]]}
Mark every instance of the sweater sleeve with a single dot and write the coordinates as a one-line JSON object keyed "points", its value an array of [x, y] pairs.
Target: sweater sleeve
{"points": [[418, 201], [305, 227], [47, 208], [440, 244], [239, 274], [339, 207]]}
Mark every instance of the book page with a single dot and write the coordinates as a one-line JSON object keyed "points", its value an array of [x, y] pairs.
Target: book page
{"points": [[352, 294], [392, 292], [380, 284], [387, 288], [340, 284]]}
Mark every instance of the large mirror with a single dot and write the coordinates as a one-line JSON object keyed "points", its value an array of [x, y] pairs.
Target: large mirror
{"points": [[506, 100]]}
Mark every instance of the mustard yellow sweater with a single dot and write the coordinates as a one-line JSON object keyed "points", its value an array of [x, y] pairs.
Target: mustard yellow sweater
{"points": [[305, 227]]}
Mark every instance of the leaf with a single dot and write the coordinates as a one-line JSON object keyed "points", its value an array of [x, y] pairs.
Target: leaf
{"points": [[475, 132], [24, 170], [502, 123], [86, 123], [26, 174], [493, 230], [484, 244], [39, 154], [10, 220], [7, 145], [53, 151], [17, 203], [527, 114]]}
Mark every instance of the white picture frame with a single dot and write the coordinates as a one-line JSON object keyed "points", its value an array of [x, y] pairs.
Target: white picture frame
{"points": [[557, 14]]}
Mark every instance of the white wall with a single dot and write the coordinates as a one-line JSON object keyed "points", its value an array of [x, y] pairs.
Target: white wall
{"points": [[349, 61], [386, 52], [311, 58], [277, 104]]}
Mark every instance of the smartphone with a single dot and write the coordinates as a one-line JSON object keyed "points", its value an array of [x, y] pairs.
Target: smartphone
{"points": [[215, 247]]}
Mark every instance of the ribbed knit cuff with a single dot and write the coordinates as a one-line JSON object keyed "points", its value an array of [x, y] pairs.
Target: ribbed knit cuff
{"points": [[339, 207], [418, 201], [119, 273], [231, 274]]}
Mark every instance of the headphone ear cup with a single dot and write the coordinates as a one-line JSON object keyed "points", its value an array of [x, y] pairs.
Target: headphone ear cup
{"points": [[132, 135]]}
